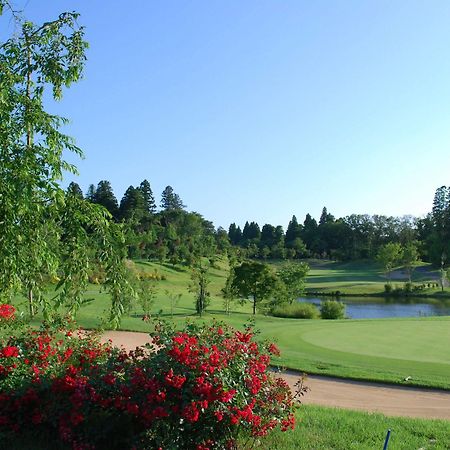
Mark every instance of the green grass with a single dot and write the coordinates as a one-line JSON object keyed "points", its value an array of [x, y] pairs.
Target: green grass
{"points": [[387, 350], [360, 277], [320, 428]]}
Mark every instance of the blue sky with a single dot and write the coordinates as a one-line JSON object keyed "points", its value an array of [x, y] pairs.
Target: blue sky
{"points": [[258, 110]]}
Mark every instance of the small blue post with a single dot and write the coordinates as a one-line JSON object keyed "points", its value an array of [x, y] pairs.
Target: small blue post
{"points": [[386, 442]]}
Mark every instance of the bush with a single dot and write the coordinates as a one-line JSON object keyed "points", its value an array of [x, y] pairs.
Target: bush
{"points": [[332, 309], [408, 287], [295, 310], [202, 388], [388, 288]]}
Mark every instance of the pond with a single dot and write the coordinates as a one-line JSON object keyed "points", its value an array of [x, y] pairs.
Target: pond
{"points": [[378, 308]]}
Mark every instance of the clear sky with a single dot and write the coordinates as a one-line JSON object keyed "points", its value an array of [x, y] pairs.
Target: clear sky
{"points": [[258, 110]]}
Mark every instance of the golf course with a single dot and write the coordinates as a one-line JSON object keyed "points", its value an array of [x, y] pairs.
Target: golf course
{"points": [[404, 351]]}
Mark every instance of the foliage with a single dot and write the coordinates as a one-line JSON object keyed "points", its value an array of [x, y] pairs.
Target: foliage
{"points": [[45, 233], [332, 309], [174, 298], [205, 387], [254, 279], [292, 277], [295, 310], [199, 286], [389, 255]]}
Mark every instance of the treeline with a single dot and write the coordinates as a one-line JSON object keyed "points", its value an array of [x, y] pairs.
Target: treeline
{"points": [[172, 233], [357, 236]]}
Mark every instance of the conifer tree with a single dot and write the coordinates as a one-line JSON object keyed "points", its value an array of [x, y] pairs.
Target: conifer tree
{"points": [[74, 189], [170, 200], [149, 199], [104, 196]]}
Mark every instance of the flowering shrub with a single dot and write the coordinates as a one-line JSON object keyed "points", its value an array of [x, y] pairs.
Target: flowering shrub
{"points": [[206, 387]]}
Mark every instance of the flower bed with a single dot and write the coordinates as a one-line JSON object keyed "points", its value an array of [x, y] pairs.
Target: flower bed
{"points": [[206, 387]]}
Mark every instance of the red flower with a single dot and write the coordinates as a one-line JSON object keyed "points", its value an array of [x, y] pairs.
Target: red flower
{"points": [[10, 352], [191, 413], [7, 312]]}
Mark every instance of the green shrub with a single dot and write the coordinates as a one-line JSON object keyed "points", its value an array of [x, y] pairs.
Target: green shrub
{"points": [[388, 288], [332, 309], [295, 311]]}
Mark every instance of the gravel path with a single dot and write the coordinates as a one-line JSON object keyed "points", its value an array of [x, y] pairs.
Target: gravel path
{"points": [[339, 393]]}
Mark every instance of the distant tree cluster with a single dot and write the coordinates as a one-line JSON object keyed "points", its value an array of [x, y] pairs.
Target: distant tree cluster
{"points": [[169, 233], [352, 237]]}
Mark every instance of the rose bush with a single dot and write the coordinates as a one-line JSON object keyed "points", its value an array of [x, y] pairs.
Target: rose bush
{"points": [[205, 387]]}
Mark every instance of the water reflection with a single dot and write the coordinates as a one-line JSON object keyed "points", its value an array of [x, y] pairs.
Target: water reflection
{"points": [[378, 308]]}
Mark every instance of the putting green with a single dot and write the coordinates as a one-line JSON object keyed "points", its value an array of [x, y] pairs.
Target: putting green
{"points": [[410, 340], [378, 349]]}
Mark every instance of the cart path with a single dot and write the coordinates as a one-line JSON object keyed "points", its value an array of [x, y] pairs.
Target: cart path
{"points": [[340, 393]]}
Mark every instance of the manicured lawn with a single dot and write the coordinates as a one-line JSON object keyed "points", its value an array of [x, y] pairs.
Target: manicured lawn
{"points": [[321, 428], [379, 349], [358, 277]]}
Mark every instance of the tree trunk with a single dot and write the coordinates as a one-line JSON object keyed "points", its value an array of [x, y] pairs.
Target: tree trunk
{"points": [[30, 301], [254, 305]]}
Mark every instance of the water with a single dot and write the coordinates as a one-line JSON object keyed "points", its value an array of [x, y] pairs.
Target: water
{"points": [[378, 308]]}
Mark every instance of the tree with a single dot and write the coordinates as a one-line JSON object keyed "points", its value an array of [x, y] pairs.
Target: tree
{"points": [[410, 258], [104, 196], [293, 278], [149, 199], [45, 232], [255, 280], [132, 205], [170, 200], [389, 255], [32, 145], [235, 234], [293, 232], [90, 194], [228, 292], [199, 286], [74, 189]]}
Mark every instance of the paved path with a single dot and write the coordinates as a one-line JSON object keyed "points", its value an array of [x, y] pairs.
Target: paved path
{"points": [[339, 393]]}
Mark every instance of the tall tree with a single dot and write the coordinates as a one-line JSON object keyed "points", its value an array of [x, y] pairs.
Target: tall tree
{"points": [[293, 232], [149, 199], [43, 231], [74, 189], [90, 193], [170, 200], [132, 205], [104, 196]]}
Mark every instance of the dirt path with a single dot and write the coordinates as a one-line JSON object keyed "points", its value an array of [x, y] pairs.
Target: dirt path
{"points": [[339, 393]]}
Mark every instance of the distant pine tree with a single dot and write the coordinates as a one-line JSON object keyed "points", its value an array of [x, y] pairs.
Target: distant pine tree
{"points": [[75, 190], [104, 196], [132, 204], [170, 200], [149, 199]]}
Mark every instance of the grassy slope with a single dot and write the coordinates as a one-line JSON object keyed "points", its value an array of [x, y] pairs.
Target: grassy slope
{"points": [[321, 428], [359, 277]]}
